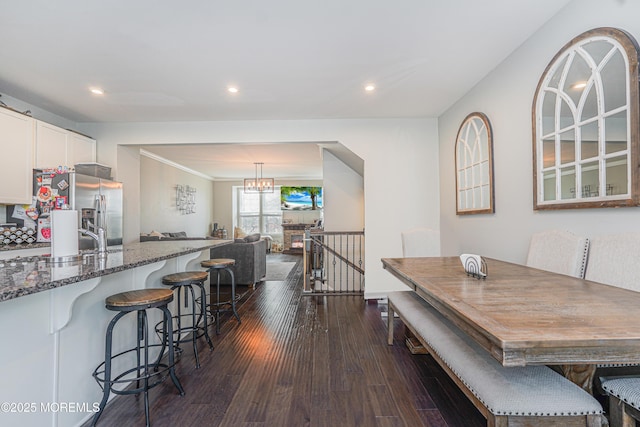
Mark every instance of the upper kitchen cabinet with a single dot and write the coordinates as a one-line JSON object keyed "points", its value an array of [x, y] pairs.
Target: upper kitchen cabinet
{"points": [[60, 147], [51, 145], [16, 143], [80, 149]]}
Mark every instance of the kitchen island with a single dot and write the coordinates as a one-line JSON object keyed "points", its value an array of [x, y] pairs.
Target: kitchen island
{"points": [[54, 323]]}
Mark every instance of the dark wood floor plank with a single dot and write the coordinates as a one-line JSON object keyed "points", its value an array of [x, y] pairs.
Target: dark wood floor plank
{"points": [[300, 360]]}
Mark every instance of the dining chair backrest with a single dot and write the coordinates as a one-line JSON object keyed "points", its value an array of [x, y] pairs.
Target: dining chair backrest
{"points": [[420, 242], [615, 260], [558, 251]]}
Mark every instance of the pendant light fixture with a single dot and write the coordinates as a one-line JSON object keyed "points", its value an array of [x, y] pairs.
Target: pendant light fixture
{"points": [[258, 184]]}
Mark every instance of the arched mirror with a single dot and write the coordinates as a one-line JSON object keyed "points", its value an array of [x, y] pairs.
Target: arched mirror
{"points": [[474, 166], [585, 124]]}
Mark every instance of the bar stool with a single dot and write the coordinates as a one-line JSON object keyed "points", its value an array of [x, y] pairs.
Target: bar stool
{"points": [[218, 265], [149, 373], [187, 280]]}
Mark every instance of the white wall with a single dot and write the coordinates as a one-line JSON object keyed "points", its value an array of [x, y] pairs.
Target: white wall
{"points": [[39, 113], [400, 157], [343, 195], [158, 209], [223, 204], [506, 96]]}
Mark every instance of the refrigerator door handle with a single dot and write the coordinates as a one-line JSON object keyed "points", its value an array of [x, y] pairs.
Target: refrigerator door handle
{"points": [[101, 211]]}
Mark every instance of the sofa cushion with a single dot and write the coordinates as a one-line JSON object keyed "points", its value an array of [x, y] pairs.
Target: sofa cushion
{"points": [[252, 238], [175, 234]]}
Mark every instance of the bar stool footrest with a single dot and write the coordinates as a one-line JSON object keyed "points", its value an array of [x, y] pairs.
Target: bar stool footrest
{"points": [[154, 369], [199, 330]]}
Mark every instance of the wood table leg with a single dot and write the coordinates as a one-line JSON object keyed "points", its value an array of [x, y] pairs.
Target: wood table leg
{"points": [[581, 375]]}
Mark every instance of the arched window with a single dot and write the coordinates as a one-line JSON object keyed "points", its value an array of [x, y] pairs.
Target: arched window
{"points": [[474, 166], [585, 124]]}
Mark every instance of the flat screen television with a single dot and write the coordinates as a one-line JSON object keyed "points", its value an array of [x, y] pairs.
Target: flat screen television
{"points": [[300, 198]]}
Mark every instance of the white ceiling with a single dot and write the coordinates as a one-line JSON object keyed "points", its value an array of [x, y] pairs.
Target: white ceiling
{"points": [[236, 161], [165, 60]]}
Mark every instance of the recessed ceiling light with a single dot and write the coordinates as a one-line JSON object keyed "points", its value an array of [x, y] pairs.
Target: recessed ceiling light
{"points": [[579, 85], [369, 88], [97, 91], [232, 89]]}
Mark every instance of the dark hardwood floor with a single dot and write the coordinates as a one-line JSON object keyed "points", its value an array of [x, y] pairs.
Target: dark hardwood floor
{"points": [[302, 361]]}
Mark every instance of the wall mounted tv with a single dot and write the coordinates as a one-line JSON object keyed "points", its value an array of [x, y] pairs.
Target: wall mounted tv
{"points": [[300, 198]]}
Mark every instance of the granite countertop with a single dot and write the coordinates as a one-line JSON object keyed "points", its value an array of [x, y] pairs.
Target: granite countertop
{"points": [[27, 275], [14, 247]]}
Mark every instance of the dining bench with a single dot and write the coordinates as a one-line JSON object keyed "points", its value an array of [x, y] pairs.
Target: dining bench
{"points": [[506, 396]]}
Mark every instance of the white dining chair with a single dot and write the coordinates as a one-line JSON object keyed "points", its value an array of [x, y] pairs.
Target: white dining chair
{"points": [[613, 260], [420, 242], [558, 251], [624, 401]]}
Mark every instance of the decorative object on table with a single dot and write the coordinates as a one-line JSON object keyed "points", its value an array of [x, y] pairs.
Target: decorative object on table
{"points": [[258, 184], [186, 199], [474, 265], [474, 166]]}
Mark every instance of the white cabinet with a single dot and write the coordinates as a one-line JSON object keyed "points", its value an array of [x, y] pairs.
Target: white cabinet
{"points": [[80, 149], [16, 146], [51, 145], [60, 147]]}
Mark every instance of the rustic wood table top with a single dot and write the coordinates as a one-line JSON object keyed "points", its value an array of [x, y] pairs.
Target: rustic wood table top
{"points": [[523, 315]]}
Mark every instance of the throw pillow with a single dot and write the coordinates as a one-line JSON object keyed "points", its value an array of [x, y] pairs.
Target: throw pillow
{"points": [[252, 237], [156, 234], [238, 233]]}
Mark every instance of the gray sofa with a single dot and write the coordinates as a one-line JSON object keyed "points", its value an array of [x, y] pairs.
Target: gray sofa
{"points": [[251, 260], [167, 236]]}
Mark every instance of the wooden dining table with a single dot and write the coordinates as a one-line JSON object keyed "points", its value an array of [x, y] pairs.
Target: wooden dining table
{"points": [[525, 316]]}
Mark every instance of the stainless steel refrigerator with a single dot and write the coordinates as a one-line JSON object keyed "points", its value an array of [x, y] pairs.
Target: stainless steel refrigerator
{"points": [[97, 200]]}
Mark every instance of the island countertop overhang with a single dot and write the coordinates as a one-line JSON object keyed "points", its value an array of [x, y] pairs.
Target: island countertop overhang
{"points": [[28, 275]]}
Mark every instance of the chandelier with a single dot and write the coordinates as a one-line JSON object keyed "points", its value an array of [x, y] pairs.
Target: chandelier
{"points": [[258, 184]]}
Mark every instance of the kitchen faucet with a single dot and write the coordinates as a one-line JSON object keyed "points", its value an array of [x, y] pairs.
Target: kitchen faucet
{"points": [[99, 236]]}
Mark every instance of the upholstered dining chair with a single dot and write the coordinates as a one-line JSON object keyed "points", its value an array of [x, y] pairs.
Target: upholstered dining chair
{"points": [[558, 251], [420, 242], [613, 260], [624, 401]]}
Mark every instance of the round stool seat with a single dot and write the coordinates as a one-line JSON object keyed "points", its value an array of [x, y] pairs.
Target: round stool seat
{"points": [[218, 263], [142, 298], [184, 277]]}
